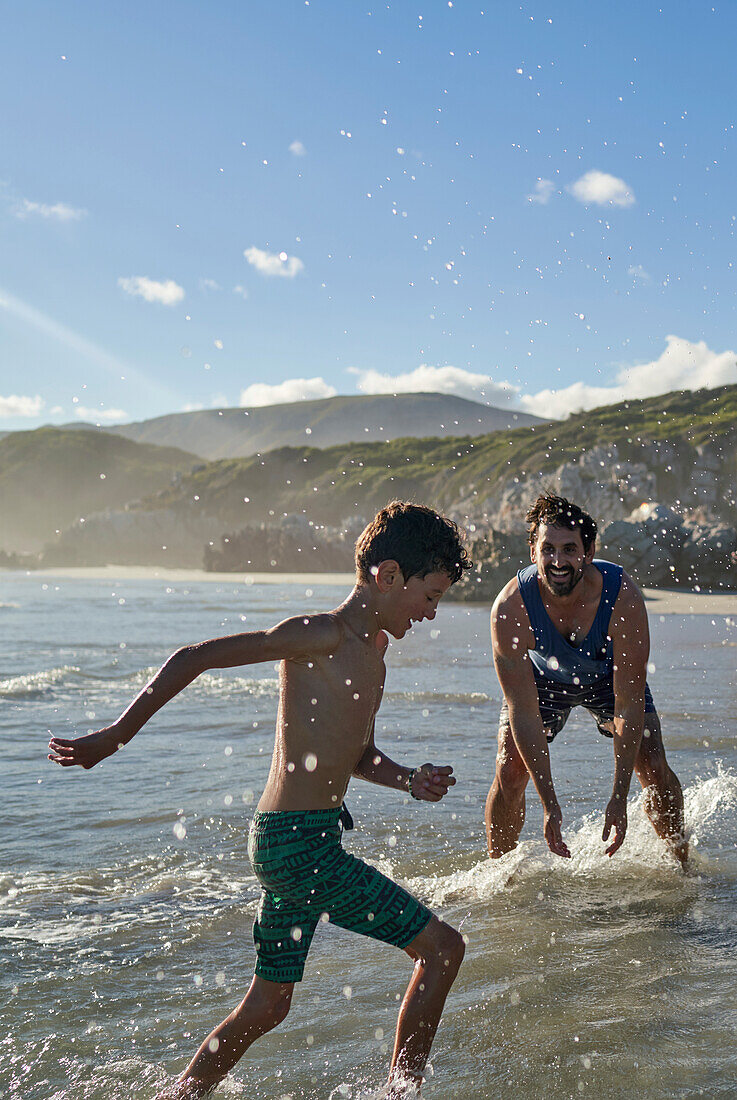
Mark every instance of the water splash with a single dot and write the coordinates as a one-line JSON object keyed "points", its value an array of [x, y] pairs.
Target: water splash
{"points": [[710, 805]]}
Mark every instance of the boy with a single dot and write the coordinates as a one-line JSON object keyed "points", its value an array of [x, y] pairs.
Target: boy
{"points": [[330, 684]]}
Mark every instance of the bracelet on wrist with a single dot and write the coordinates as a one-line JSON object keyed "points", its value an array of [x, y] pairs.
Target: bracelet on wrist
{"points": [[412, 774]]}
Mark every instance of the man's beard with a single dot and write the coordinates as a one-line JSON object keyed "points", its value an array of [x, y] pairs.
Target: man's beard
{"points": [[562, 586]]}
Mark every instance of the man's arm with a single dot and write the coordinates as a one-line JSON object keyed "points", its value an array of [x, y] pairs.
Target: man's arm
{"points": [[511, 637], [631, 648], [302, 636], [428, 783]]}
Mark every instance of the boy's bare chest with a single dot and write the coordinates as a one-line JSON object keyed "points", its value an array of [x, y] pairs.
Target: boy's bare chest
{"points": [[351, 679]]}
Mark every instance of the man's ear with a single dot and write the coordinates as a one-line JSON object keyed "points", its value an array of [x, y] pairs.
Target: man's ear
{"points": [[388, 575], [589, 555], [532, 552]]}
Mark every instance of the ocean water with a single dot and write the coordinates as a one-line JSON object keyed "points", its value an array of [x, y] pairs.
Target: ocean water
{"points": [[126, 898]]}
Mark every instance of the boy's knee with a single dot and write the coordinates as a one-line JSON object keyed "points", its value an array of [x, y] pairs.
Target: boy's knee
{"points": [[275, 1001], [449, 946]]}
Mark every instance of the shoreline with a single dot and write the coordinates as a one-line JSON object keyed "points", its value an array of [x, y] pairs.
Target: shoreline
{"points": [[660, 601], [184, 576]]}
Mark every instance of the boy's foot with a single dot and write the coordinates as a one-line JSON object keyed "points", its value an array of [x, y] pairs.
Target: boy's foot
{"points": [[403, 1088], [189, 1089]]}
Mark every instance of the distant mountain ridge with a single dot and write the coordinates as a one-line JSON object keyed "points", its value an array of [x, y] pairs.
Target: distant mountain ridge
{"points": [[238, 433]]}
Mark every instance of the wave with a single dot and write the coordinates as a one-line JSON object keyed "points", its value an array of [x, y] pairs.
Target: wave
{"points": [[35, 685], [76, 906], [473, 698], [213, 685]]}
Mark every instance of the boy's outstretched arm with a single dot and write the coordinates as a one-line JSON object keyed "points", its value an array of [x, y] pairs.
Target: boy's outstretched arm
{"points": [[298, 637], [428, 783]]}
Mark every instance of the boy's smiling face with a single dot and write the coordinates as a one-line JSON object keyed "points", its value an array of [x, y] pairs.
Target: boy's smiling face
{"points": [[407, 602]]}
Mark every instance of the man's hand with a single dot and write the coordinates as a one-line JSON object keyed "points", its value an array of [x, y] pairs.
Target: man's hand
{"points": [[551, 829], [84, 751], [430, 783], [615, 818]]}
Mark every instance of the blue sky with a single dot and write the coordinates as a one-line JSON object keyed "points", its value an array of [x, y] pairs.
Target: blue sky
{"points": [[203, 205]]}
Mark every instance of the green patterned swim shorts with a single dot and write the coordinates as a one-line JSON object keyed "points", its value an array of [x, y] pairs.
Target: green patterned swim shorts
{"points": [[307, 876]]}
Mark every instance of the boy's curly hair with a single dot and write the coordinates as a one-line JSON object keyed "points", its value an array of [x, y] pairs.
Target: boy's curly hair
{"points": [[559, 512], [418, 538]]}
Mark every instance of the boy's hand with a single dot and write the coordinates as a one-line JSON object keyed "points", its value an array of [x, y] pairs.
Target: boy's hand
{"points": [[430, 783], [85, 751]]}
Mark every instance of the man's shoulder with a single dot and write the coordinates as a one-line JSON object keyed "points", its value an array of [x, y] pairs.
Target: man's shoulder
{"points": [[509, 597], [630, 600], [508, 614]]}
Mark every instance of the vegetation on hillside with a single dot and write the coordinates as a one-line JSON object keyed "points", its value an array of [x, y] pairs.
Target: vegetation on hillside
{"points": [[336, 483], [50, 478]]}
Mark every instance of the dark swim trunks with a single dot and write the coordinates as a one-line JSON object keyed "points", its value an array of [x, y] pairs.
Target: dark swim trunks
{"points": [[306, 877], [556, 700]]}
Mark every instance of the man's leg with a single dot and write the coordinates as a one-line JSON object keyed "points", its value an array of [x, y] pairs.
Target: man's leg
{"points": [[663, 794], [505, 804], [438, 952], [264, 1006]]}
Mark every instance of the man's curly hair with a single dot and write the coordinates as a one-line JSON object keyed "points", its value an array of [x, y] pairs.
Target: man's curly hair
{"points": [[559, 512]]}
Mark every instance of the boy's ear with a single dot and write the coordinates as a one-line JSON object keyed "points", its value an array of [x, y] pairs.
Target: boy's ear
{"points": [[388, 575]]}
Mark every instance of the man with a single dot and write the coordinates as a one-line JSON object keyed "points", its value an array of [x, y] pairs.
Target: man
{"points": [[571, 631], [331, 681]]}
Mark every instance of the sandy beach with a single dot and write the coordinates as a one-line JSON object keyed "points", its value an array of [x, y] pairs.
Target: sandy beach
{"points": [[661, 601]]}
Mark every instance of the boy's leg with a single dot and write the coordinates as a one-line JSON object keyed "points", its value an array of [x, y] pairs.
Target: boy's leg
{"points": [[438, 952], [264, 1006]]}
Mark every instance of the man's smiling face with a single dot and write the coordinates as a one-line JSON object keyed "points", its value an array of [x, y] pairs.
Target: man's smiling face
{"points": [[412, 601], [560, 558]]}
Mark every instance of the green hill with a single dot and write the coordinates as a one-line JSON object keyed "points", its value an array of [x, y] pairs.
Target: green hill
{"points": [[50, 478], [338, 482], [678, 449]]}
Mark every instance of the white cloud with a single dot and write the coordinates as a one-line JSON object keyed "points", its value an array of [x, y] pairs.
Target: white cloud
{"points": [[297, 149], [17, 405], [637, 271], [209, 284], [273, 263], [58, 211], [602, 189], [283, 393], [428, 379], [166, 292], [682, 366], [543, 192], [97, 416], [241, 291]]}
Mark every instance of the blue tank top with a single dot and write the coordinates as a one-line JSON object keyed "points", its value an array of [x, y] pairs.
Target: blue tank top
{"points": [[553, 656]]}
